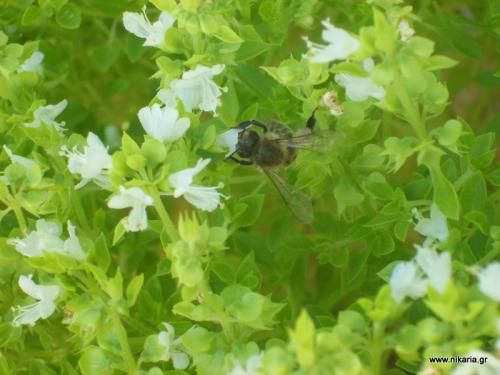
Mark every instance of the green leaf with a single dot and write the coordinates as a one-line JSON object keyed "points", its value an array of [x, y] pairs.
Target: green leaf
{"points": [[95, 361], [381, 243], [438, 62], [102, 253], [118, 233], [69, 16], [445, 194], [133, 289], [227, 35], [224, 271], [249, 209], [347, 195], [385, 34]]}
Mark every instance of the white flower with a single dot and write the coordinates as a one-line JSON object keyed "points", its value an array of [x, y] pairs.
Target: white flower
{"points": [[405, 30], [359, 89], [25, 162], [47, 115], [46, 238], [489, 280], [196, 89], [139, 25], [32, 63], [252, 366], [229, 140], [331, 101], [91, 163], [173, 348], [164, 123], [434, 227], [134, 197], [205, 198], [340, 45], [45, 294], [436, 266], [72, 245], [491, 365], [406, 280]]}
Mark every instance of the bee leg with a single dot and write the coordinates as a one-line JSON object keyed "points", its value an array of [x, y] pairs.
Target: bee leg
{"points": [[245, 124], [311, 121], [240, 161]]}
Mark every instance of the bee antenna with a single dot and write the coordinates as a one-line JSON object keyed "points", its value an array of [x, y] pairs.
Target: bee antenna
{"points": [[311, 121]]}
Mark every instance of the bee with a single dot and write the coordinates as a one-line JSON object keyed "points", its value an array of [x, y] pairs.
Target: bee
{"points": [[273, 145]]}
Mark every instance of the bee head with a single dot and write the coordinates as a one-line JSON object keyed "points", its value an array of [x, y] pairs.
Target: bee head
{"points": [[247, 143]]}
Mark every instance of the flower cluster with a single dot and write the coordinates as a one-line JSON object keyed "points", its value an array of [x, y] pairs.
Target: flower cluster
{"points": [[341, 45], [46, 239]]}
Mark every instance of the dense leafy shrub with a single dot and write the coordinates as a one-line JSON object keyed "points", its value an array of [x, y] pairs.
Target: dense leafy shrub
{"points": [[129, 244]]}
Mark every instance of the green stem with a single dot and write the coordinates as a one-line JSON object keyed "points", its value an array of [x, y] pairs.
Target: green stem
{"points": [[80, 213], [411, 110], [160, 208], [124, 344], [18, 211], [377, 348]]}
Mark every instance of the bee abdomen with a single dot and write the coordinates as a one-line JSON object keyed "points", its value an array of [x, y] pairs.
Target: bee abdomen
{"points": [[270, 154]]}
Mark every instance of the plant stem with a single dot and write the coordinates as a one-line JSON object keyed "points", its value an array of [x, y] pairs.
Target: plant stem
{"points": [[124, 344], [377, 348], [80, 213], [160, 208], [18, 211], [411, 110]]}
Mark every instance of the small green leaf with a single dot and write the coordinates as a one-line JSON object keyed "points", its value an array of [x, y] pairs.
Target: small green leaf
{"points": [[69, 16], [133, 289], [95, 361], [102, 253], [347, 195], [227, 35]]}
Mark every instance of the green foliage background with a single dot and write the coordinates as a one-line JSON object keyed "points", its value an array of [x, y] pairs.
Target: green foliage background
{"points": [[251, 269]]}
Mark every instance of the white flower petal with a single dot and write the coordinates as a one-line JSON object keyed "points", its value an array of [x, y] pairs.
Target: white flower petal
{"points": [[72, 245], [163, 124], [434, 227], [340, 45], [139, 25], [359, 89], [32, 63], [229, 140], [436, 266], [39, 292], [134, 197], [92, 163], [205, 198], [406, 281], [196, 89], [47, 114], [489, 280], [183, 179], [180, 360]]}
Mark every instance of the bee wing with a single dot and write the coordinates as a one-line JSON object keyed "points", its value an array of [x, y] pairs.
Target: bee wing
{"points": [[306, 140], [297, 201]]}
